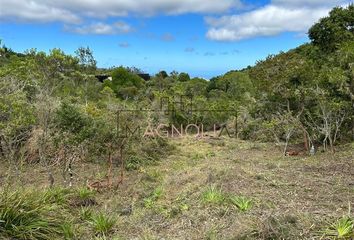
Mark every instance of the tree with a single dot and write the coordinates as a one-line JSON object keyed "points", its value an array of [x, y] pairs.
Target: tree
{"points": [[183, 77], [86, 59], [126, 84], [162, 74], [330, 32], [327, 117]]}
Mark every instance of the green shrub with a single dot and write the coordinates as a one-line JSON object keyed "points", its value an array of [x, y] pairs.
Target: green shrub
{"points": [[83, 197]]}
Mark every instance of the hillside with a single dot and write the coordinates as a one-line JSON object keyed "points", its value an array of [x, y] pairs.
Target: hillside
{"points": [[193, 193], [264, 152]]}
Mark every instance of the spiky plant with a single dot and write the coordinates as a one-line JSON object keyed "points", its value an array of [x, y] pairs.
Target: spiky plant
{"points": [[85, 193], [213, 195], [343, 228], [68, 230], [242, 203], [26, 215], [102, 223]]}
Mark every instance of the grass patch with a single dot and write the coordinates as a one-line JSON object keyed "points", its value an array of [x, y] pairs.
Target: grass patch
{"points": [[85, 213], [241, 203], [28, 215], [57, 195], [83, 197], [102, 223], [150, 201], [213, 195], [68, 230]]}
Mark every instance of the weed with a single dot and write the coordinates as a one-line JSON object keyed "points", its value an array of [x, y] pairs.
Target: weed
{"points": [[68, 230], [26, 215], [342, 228], [102, 223], [184, 207], [85, 193], [57, 195], [213, 195], [242, 203], [85, 213], [84, 197], [155, 195], [210, 154]]}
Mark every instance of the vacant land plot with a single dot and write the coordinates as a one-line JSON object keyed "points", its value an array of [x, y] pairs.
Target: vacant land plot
{"points": [[207, 189]]}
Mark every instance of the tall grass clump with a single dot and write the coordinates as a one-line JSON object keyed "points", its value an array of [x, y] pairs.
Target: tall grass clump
{"points": [[102, 223], [57, 195], [25, 215], [83, 197]]}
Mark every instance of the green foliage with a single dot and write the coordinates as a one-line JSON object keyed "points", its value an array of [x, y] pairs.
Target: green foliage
{"points": [[85, 213], [26, 215], [84, 193], [102, 223], [57, 195], [86, 59], [335, 29], [74, 123], [241, 203], [162, 74], [150, 201], [213, 195], [343, 228], [16, 118], [68, 230], [125, 84], [183, 77]]}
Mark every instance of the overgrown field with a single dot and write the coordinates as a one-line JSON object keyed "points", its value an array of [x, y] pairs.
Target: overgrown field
{"points": [[205, 189]]}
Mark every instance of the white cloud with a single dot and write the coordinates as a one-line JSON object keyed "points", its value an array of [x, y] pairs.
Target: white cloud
{"points": [[100, 28], [36, 11], [309, 3], [70, 11], [272, 19], [122, 27]]}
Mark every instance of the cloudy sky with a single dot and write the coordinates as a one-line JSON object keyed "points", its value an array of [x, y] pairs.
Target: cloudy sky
{"points": [[202, 37]]}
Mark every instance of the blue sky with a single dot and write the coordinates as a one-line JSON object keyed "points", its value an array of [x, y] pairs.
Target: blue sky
{"points": [[202, 37]]}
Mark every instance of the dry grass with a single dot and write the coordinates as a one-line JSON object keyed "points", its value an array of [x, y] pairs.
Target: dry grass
{"points": [[292, 197]]}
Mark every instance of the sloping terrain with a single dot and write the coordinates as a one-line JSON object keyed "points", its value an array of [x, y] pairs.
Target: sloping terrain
{"points": [[195, 193]]}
